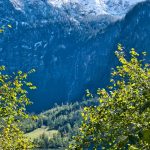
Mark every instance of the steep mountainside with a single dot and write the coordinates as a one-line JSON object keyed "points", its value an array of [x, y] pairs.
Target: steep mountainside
{"points": [[69, 55]]}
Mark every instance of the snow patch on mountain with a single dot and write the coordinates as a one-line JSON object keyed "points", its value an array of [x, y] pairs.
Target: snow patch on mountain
{"points": [[74, 10], [98, 7], [87, 6], [120, 7], [18, 4]]}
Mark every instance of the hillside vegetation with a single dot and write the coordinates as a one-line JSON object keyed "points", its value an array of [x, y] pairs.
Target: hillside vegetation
{"points": [[55, 127], [122, 119], [118, 118]]}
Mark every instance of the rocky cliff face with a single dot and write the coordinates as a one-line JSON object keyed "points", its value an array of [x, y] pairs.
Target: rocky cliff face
{"points": [[69, 55]]}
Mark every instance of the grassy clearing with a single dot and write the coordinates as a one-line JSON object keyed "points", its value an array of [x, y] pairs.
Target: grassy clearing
{"points": [[40, 131]]}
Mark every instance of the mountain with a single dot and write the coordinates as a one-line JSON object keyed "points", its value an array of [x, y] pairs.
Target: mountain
{"points": [[96, 7], [74, 10], [70, 52]]}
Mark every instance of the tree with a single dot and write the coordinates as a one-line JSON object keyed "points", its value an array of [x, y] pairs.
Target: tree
{"points": [[4, 27], [13, 102], [122, 119]]}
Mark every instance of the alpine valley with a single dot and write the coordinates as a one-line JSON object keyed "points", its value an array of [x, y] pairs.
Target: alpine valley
{"points": [[70, 43]]}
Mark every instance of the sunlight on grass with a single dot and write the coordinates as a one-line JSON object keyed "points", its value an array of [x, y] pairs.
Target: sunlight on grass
{"points": [[40, 131]]}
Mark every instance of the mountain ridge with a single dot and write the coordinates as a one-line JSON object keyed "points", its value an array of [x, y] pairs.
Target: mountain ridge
{"points": [[77, 9], [69, 58]]}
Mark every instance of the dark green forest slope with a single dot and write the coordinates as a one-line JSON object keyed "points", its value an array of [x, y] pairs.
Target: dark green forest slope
{"points": [[55, 127]]}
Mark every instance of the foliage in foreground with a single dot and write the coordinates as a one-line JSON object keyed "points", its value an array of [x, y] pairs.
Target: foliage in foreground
{"points": [[122, 119], [13, 102]]}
